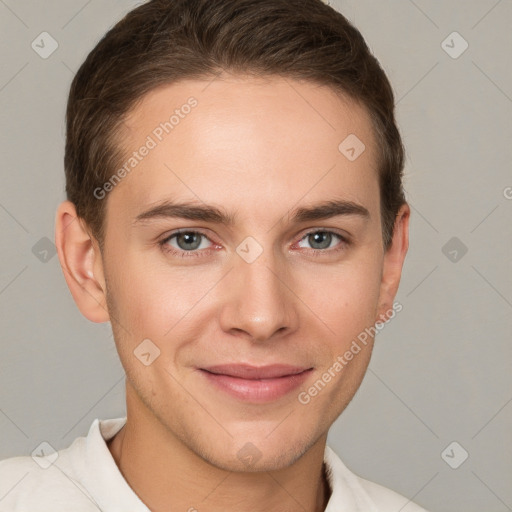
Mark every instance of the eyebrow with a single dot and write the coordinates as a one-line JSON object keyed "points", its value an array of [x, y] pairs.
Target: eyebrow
{"points": [[209, 213]]}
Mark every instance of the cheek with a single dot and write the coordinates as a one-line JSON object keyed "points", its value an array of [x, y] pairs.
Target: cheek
{"points": [[344, 297], [151, 298]]}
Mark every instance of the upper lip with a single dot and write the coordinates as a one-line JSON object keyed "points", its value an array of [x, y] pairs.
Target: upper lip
{"points": [[246, 371]]}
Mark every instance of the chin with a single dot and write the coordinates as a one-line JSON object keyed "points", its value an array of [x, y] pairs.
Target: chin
{"points": [[243, 455]]}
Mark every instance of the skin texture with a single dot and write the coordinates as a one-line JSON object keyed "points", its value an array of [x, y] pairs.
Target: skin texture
{"points": [[258, 149]]}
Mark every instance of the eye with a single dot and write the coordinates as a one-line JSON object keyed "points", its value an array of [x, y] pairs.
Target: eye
{"points": [[185, 243], [190, 243], [321, 240]]}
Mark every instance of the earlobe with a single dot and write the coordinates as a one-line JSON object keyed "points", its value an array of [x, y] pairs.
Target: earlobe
{"points": [[393, 262], [81, 263]]}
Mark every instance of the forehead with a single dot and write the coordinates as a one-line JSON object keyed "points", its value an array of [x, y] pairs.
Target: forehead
{"points": [[259, 146]]}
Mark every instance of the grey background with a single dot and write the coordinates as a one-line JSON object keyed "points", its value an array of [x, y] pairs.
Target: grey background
{"points": [[440, 371]]}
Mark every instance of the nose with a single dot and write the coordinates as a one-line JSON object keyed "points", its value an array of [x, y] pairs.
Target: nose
{"points": [[259, 302]]}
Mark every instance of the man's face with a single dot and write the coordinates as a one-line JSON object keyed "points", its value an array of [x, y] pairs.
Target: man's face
{"points": [[263, 290]]}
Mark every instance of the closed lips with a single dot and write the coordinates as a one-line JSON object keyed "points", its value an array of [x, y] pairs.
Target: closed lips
{"points": [[249, 372]]}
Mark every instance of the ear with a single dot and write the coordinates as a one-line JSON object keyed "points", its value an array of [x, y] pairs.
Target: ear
{"points": [[80, 259], [393, 261]]}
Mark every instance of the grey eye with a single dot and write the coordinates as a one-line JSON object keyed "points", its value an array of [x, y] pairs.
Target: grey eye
{"points": [[188, 241], [320, 239]]}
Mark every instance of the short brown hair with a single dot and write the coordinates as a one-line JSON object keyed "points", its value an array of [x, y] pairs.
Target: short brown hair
{"points": [[163, 41]]}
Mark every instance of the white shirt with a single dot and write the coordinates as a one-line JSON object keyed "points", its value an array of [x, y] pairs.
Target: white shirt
{"points": [[85, 478]]}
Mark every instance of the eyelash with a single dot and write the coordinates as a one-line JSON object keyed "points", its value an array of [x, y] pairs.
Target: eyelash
{"points": [[344, 243]]}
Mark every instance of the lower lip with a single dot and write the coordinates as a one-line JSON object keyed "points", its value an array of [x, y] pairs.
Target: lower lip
{"points": [[257, 391]]}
